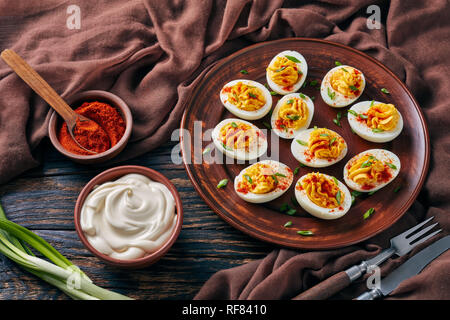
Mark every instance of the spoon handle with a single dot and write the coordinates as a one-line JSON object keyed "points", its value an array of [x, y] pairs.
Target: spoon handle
{"points": [[38, 84]]}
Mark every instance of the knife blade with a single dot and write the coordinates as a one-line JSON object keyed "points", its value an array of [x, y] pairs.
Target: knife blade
{"points": [[410, 268]]}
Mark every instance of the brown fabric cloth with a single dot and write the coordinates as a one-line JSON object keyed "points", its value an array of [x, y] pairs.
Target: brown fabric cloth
{"points": [[152, 53]]}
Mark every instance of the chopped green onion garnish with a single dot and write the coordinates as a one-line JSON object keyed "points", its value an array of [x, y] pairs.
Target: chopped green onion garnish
{"points": [[371, 103], [305, 232], [371, 192], [222, 183], [296, 170], [332, 141], [384, 90], [343, 69], [252, 95], [353, 88], [339, 115], [291, 211], [368, 213], [302, 96], [249, 179], [391, 165], [331, 94], [302, 165], [303, 143], [290, 101], [324, 135], [366, 164], [356, 193], [234, 124], [280, 175], [363, 116], [313, 82], [281, 69], [337, 122], [337, 63], [226, 147], [338, 197], [293, 117], [287, 224], [352, 112], [293, 59], [315, 127], [273, 93], [267, 125], [397, 189], [376, 130], [313, 98], [243, 71], [335, 181], [274, 177], [284, 207]]}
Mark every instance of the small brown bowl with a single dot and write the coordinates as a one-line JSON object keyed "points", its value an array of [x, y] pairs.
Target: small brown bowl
{"points": [[113, 174], [75, 101]]}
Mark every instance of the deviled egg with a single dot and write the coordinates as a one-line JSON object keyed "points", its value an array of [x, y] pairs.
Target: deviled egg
{"points": [[318, 147], [292, 114], [246, 99], [371, 170], [375, 121], [263, 181], [323, 196], [342, 85], [286, 72], [239, 139]]}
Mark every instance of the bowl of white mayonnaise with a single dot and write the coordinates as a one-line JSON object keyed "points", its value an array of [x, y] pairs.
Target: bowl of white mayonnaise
{"points": [[129, 216]]}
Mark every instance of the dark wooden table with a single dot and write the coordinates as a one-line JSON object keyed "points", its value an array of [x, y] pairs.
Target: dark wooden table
{"points": [[43, 200]]}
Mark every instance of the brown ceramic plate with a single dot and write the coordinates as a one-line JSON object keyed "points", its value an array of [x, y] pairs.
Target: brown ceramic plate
{"points": [[265, 221]]}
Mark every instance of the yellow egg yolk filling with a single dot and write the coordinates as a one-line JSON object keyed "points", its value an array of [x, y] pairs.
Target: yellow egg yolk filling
{"points": [[325, 144], [258, 179], [284, 72], [322, 191], [293, 113], [367, 170], [237, 135], [346, 81], [382, 116], [245, 97]]}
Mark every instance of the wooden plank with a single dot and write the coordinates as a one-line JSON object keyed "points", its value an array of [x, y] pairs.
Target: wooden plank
{"points": [[43, 199]]}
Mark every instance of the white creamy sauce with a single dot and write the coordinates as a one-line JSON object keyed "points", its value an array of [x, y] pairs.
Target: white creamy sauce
{"points": [[128, 218]]}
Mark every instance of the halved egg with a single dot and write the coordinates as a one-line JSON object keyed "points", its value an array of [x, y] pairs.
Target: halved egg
{"points": [[246, 99], [292, 114], [263, 181], [286, 72], [323, 196], [318, 147], [239, 139], [375, 121], [342, 85], [371, 170]]}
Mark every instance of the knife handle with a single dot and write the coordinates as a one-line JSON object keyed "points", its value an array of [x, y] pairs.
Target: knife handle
{"points": [[326, 288], [334, 284], [370, 295]]}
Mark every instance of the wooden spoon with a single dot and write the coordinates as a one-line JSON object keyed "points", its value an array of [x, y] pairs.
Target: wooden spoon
{"points": [[42, 88]]}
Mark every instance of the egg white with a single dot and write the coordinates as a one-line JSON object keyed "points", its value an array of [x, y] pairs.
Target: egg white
{"points": [[362, 130], [244, 114], [302, 66], [298, 151], [339, 100], [318, 211], [291, 133], [266, 197], [256, 149], [380, 154]]}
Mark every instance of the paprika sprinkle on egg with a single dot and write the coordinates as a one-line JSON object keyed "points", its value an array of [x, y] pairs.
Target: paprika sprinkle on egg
{"points": [[102, 133]]}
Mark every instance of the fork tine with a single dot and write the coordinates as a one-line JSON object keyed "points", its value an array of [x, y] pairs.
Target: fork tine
{"points": [[427, 237], [410, 231], [421, 232]]}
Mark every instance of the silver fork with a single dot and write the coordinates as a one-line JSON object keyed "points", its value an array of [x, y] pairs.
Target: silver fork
{"points": [[400, 245]]}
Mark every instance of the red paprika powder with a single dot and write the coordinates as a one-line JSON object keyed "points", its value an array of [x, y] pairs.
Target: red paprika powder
{"points": [[102, 133]]}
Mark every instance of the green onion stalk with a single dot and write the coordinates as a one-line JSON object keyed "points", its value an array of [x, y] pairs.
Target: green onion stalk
{"points": [[15, 243]]}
